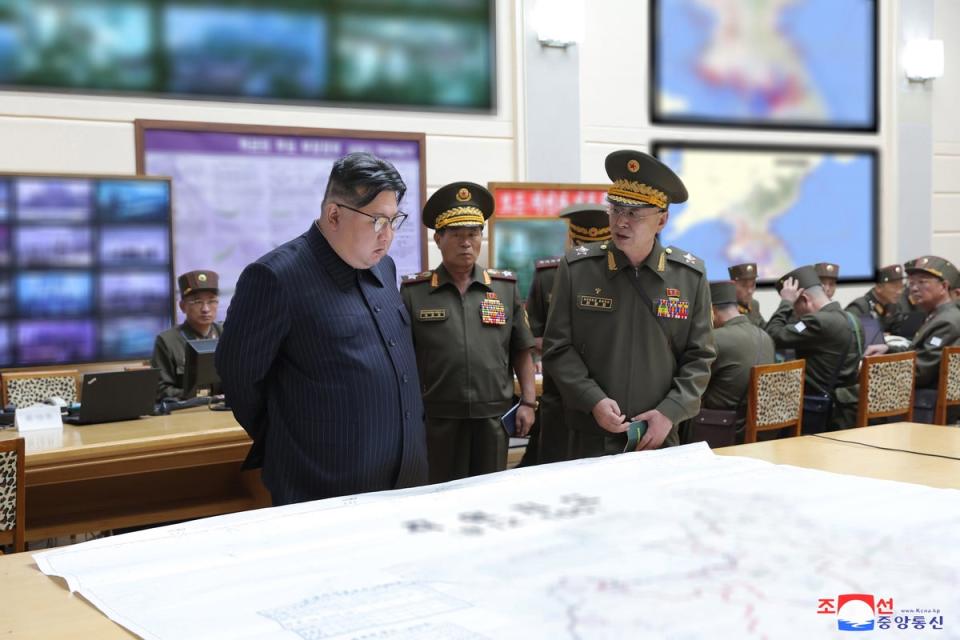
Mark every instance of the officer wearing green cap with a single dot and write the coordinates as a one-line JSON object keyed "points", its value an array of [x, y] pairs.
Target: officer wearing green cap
{"points": [[829, 339], [588, 222], [745, 277], [469, 331], [740, 345], [628, 336], [930, 280], [828, 272], [880, 302], [198, 302]]}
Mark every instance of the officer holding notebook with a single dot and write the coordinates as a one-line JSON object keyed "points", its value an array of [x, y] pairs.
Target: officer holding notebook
{"points": [[628, 335]]}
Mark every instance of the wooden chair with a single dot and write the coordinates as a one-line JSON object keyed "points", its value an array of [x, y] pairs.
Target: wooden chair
{"points": [[12, 494], [26, 388], [948, 389], [886, 387], [775, 398]]}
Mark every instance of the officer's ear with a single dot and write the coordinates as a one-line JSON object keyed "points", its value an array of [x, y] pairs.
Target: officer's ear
{"points": [[436, 238], [663, 220], [332, 214], [183, 305]]}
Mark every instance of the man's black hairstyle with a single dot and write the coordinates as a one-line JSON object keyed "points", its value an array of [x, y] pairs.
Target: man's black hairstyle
{"points": [[357, 178]]}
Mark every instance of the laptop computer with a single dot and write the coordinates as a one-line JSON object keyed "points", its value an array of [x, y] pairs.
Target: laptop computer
{"points": [[116, 395]]}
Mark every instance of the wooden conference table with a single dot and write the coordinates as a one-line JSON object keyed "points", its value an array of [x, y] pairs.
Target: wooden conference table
{"points": [[138, 472], [35, 605]]}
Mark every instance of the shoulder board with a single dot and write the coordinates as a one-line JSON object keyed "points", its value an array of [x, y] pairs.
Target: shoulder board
{"points": [[502, 274], [548, 263], [413, 278], [591, 250], [675, 254]]}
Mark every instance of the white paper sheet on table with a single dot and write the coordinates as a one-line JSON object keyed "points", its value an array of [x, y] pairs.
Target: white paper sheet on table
{"points": [[678, 542]]}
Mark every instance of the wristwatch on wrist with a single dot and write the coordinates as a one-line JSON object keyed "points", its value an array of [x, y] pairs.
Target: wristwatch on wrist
{"points": [[533, 405]]}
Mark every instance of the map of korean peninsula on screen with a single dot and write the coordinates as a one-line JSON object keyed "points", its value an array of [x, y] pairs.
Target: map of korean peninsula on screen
{"points": [[780, 208], [808, 63]]}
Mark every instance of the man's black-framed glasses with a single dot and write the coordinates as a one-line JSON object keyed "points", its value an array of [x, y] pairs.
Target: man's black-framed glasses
{"points": [[379, 222]]}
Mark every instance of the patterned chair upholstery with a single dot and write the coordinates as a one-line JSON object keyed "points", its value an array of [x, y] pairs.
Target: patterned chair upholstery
{"points": [[948, 391], [26, 388], [12, 491], [886, 387], [775, 398]]}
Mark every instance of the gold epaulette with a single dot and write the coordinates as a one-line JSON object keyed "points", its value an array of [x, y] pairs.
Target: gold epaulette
{"points": [[413, 278], [589, 250]]}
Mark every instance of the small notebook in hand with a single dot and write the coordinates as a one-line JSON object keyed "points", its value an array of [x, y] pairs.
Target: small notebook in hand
{"points": [[635, 432], [509, 420]]}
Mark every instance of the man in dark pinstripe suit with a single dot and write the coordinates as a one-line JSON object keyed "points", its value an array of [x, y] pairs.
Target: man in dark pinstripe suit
{"points": [[316, 356]]}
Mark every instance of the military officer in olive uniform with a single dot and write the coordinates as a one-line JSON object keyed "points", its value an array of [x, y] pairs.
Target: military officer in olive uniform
{"points": [[198, 302], [880, 302], [628, 335], [470, 333], [588, 222], [740, 345], [745, 277], [828, 272], [828, 338], [931, 279]]}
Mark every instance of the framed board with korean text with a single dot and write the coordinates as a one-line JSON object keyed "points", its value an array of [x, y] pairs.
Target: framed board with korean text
{"points": [[241, 190]]}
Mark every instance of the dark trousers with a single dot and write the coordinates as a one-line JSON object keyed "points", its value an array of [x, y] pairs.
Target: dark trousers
{"points": [[463, 447]]}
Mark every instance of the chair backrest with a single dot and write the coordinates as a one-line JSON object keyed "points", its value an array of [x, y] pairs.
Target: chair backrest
{"points": [[886, 386], [12, 494], [26, 388], [948, 390], [775, 398]]}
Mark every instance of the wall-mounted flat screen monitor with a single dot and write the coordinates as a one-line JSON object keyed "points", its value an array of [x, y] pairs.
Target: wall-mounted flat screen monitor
{"points": [[418, 54], [781, 207], [803, 64], [85, 270]]}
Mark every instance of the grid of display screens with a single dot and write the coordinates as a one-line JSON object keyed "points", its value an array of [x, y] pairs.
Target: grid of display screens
{"points": [[419, 53], [85, 268]]}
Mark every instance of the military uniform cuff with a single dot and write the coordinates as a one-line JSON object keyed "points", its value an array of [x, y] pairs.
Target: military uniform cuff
{"points": [[672, 410], [590, 397]]}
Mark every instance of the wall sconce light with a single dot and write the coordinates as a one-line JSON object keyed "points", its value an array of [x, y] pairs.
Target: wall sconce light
{"points": [[558, 23], [923, 60]]}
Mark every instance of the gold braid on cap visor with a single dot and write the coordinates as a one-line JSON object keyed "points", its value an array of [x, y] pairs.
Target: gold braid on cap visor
{"points": [[459, 216], [589, 234], [630, 192]]}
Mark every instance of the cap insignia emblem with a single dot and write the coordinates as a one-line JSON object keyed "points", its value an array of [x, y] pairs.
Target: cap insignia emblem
{"points": [[633, 166], [202, 277], [463, 195]]}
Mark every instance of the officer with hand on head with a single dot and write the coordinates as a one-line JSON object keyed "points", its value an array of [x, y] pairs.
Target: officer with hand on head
{"points": [[470, 334], [628, 336]]}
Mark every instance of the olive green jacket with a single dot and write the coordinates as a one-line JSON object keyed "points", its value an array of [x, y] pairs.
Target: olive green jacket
{"points": [[888, 315], [538, 301], [752, 313], [169, 355], [740, 346], [821, 338], [941, 329], [464, 345], [604, 339]]}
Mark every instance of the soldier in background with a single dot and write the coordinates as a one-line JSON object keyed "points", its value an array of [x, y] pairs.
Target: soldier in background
{"points": [[470, 333], [880, 302], [931, 279], [199, 300], [829, 339], [745, 277], [588, 222], [628, 335]]}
